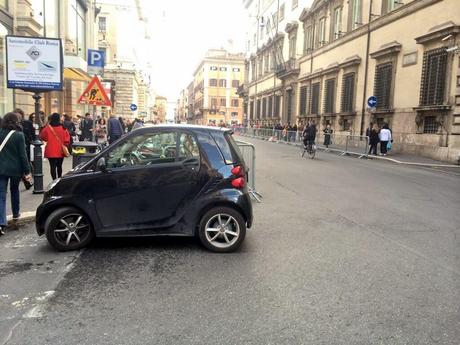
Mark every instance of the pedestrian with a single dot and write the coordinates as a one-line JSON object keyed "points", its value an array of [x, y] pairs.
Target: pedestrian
{"points": [[369, 129], [373, 139], [327, 135], [13, 167], [114, 129], [70, 126], [56, 137], [138, 123], [86, 127], [294, 132], [29, 135], [101, 130], [122, 123], [385, 137]]}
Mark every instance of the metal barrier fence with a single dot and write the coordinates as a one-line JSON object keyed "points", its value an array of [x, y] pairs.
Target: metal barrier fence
{"points": [[249, 155], [342, 143]]}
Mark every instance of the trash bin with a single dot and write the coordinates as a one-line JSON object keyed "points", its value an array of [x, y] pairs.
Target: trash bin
{"points": [[83, 151]]}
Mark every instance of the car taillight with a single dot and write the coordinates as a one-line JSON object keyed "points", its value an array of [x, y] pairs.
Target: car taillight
{"points": [[239, 182], [238, 171]]}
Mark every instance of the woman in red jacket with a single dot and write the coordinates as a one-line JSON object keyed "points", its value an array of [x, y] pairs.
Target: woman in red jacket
{"points": [[55, 136]]}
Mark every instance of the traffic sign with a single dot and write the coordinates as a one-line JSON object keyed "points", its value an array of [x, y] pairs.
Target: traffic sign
{"points": [[96, 60], [95, 94], [372, 101], [133, 107]]}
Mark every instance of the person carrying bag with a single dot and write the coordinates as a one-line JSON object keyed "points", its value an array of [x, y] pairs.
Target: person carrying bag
{"points": [[13, 166], [57, 139]]}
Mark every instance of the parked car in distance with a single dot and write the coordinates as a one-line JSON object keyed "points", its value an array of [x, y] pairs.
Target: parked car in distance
{"points": [[160, 180]]}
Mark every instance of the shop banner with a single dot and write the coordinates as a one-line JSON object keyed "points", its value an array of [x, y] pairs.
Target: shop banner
{"points": [[34, 63]]}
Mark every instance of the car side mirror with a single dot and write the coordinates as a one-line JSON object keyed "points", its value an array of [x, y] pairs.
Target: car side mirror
{"points": [[100, 165]]}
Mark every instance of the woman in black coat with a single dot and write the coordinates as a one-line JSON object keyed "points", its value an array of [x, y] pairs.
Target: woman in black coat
{"points": [[373, 139]]}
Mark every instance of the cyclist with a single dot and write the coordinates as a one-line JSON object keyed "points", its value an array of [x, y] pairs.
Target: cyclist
{"points": [[309, 135]]}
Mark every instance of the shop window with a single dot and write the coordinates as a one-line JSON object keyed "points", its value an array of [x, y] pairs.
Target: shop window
{"points": [[382, 85], [430, 125], [433, 77]]}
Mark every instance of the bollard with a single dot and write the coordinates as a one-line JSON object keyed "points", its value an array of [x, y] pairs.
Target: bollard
{"points": [[38, 167]]}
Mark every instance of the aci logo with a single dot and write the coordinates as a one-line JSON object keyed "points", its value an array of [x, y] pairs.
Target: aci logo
{"points": [[47, 66], [33, 53]]}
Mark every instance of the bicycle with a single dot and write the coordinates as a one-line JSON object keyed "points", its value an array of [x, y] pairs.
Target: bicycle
{"points": [[309, 148]]}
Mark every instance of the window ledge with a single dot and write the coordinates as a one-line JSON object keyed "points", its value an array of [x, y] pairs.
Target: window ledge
{"points": [[352, 113], [383, 111], [442, 107]]}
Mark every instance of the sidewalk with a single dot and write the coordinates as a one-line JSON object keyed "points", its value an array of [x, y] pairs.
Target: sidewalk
{"points": [[398, 158], [30, 201]]}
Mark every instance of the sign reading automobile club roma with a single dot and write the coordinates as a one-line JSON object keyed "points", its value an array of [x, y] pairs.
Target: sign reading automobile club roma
{"points": [[34, 63]]}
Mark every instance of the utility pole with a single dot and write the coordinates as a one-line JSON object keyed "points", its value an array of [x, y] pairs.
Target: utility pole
{"points": [[366, 66]]}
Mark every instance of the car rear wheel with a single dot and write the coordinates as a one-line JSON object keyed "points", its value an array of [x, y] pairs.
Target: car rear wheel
{"points": [[68, 229], [222, 229]]}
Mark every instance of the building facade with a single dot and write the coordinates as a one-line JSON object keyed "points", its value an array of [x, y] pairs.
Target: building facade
{"points": [[160, 109], [70, 20], [127, 67], [329, 60], [212, 97]]}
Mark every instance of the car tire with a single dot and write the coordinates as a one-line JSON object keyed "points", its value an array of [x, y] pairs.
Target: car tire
{"points": [[68, 228], [222, 229]]}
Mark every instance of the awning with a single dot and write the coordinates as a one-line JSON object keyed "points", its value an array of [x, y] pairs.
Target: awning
{"points": [[74, 74]]}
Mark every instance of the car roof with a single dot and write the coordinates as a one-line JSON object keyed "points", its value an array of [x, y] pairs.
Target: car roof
{"points": [[185, 126]]}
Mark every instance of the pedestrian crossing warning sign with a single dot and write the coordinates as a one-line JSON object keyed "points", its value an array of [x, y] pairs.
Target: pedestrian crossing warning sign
{"points": [[95, 94]]}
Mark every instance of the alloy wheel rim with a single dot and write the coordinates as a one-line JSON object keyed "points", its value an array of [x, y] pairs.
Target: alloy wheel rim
{"points": [[222, 230], [71, 228]]}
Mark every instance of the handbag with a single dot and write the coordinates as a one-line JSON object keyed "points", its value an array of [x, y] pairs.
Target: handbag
{"points": [[8, 136], [389, 145], [65, 150]]}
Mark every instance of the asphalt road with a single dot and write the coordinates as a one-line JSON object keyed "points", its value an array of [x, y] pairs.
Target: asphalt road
{"points": [[343, 251]]}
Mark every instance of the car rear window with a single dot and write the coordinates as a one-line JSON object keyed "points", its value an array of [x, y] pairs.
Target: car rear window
{"points": [[227, 147]]}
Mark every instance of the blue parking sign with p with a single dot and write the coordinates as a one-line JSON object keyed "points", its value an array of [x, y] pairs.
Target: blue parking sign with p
{"points": [[96, 58]]}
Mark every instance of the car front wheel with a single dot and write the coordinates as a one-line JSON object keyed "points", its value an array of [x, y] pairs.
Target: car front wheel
{"points": [[68, 229], [222, 229]]}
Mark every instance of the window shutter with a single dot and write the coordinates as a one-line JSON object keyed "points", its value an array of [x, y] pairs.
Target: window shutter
{"points": [[315, 98], [348, 89], [382, 85], [303, 100], [330, 95]]}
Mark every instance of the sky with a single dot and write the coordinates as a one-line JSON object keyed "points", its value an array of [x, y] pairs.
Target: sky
{"points": [[181, 33]]}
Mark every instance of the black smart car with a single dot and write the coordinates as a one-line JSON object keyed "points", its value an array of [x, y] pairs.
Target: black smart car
{"points": [[159, 180]]}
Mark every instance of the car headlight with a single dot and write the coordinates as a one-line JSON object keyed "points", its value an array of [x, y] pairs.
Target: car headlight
{"points": [[52, 184]]}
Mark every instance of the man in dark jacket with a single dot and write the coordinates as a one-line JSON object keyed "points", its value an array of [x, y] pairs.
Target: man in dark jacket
{"points": [[114, 129], [309, 134], [86, 127]]}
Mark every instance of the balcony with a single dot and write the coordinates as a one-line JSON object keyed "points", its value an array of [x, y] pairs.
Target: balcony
{"points": [[288, 68]]}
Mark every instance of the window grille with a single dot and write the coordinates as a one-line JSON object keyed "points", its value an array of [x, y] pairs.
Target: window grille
{"points": [[430, 125], [382, 85], [330, 96], [348, 90], [433, 77]]}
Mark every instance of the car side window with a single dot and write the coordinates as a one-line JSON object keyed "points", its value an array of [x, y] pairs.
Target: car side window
{"points": [[188, 147], [145, 149]]}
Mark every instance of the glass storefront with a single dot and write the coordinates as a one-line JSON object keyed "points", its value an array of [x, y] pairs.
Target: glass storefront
{"points": [[6, 95]]}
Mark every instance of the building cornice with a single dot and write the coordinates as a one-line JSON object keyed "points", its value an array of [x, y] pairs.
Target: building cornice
{"points": [[387, 49], [439, 32], [291, 26], [351, 61]]}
